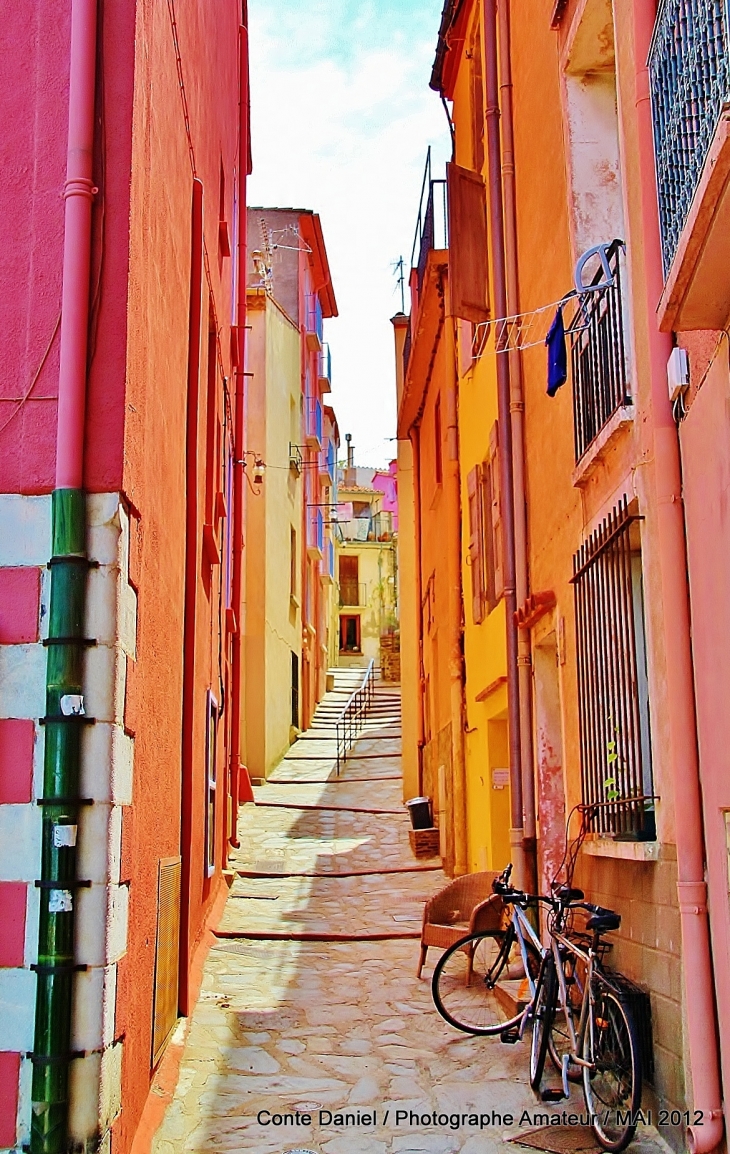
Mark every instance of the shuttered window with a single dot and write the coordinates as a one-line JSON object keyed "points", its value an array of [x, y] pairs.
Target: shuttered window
{"points": [[468, 271], [485, 532], [164, 1007], [211, 782]]}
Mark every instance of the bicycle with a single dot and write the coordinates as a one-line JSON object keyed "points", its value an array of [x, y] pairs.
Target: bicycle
{"points": [[470, 991]]}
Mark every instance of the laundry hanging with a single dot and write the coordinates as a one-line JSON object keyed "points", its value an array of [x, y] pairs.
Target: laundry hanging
{"points": [[557, 354]]}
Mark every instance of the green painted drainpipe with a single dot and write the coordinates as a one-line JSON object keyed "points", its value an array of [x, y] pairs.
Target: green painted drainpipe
{"points": [[60, 804]]}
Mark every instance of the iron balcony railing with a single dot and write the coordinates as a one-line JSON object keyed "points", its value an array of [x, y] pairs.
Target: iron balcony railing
{"points": [[598, 356], [324, 359], [314, 421], [296, 461], [315, 534], [689, 76], [351, 721], [432, 232], [353, 594], [328, 561], [327, 460], [315, 327], [613, 703]]}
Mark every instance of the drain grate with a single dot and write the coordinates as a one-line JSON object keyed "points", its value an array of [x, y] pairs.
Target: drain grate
{"points": [[559, 1139]]}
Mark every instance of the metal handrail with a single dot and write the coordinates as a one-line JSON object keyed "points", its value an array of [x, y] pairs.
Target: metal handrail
{"points": [[348, 726]]}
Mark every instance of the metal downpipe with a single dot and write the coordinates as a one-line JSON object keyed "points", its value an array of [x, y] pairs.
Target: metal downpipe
{"points": [[517, 409], [64, 720]]}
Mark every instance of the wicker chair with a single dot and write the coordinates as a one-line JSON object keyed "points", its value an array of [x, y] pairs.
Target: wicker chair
{"points": [[465, 906]]}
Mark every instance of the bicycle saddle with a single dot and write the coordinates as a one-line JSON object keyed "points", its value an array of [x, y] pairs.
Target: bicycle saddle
{"points": [[566, 894], [603, 921]]}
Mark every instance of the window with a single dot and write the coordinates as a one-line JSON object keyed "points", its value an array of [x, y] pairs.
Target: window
{"points": [[615, 743], [292, 563], [350, 634], [295, 690], [485, 532], [439, 468], [477, 99], [349, 576], [211, 781]]}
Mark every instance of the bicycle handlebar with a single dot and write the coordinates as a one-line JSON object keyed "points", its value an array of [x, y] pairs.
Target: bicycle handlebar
{"points": [[501, 886]]}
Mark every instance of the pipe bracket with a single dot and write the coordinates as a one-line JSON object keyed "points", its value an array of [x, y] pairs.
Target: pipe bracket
{"points": [[54, 1059], [71, 884], [51, 719], [62, 968], [64, 801], [69, 641], [73, 558]]}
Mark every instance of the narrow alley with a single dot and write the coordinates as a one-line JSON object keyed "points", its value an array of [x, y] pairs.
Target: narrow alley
{"points": [[310, 1005]]}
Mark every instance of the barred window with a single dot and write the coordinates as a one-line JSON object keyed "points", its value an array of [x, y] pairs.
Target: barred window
{"points": [[615, 744]]}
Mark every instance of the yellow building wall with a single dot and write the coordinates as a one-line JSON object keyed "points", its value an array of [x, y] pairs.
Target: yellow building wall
{"points": [[273, 623], [376, 563], [486, 746]]}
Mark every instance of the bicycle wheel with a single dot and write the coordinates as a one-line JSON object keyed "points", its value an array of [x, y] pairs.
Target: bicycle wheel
{"points": [[612, 1085], [561, 1041], [470, 983], [542, 1020]]}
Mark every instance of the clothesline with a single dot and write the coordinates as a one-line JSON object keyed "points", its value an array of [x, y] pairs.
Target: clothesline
{"points": [[521, 331]]}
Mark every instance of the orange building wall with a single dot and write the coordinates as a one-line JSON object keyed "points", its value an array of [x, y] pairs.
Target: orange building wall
{"points": [[155, 479]]}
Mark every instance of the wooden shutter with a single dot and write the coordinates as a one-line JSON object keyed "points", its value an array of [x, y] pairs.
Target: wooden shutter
{"points": [[468, 272], [497, 542], [167, 947], [476, 552]]}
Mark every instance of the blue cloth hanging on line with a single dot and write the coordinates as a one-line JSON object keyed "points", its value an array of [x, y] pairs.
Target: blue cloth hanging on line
{"points": [[557, 354]]}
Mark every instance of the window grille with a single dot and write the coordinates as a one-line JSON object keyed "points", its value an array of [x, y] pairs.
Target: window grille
{"points": [[689, 75], [598, 357], [613, 702]]}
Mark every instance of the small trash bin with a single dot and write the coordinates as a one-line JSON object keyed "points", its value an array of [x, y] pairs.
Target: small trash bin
{"points": [[419, 811]]}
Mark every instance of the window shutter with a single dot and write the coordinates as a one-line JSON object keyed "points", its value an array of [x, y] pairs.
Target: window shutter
{"points": [[497, 543], [476, 557], [467, 244]]}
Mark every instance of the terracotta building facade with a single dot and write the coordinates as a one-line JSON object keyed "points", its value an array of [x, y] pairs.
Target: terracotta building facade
{"points": [[121, 414], [605, 244]]}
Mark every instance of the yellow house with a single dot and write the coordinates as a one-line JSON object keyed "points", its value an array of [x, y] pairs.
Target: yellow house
{"points": [[366, 573], [274, 516], [453, 639]]}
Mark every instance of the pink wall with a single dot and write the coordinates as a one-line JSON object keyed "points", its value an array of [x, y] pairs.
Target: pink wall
{"points": [[706, 479], [387, 483]]}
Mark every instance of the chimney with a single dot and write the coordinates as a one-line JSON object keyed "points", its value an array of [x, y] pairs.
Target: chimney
{"points": [[350, 470]]}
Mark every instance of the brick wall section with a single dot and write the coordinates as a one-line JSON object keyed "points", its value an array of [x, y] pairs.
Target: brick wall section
{"points": [[647, 949]]}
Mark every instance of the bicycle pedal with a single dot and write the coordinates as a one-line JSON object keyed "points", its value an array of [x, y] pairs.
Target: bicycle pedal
{"points": [[509, 1037], [552, 1094]]}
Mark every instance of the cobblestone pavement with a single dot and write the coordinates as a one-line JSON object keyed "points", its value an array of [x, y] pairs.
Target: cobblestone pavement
{"points": [[337, 1035]]}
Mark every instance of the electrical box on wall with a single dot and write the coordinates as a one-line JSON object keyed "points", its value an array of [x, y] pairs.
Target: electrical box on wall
{"points": [[677, 373]]}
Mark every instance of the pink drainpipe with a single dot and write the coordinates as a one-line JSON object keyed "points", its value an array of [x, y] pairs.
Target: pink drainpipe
{"points": [[691, 885], [79, 194]]}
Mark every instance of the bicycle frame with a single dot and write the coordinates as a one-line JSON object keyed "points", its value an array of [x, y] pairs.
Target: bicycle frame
{"points": [[559, 939]]}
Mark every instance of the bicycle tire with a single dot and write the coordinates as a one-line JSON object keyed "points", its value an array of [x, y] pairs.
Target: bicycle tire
{"points": [[612, 1088], [466, 998], [546, 997]]}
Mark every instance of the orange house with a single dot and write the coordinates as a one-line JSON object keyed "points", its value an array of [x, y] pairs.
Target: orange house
{"points": [[608, 691]]}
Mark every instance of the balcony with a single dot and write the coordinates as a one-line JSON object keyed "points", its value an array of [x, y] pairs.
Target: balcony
{"points": [[353, 594], [366, 529], [315, 332], [314, 423], [327, 569], [689, 75], [327, 463], [296, 461], [598, 358], [324, 369], [432, 232], [315, 534]]}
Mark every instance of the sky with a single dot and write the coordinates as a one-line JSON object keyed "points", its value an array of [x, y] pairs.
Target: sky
{"points": [[341, 117]]}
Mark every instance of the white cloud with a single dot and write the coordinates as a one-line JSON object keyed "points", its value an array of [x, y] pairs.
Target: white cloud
{"points": [[341, 118]]}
